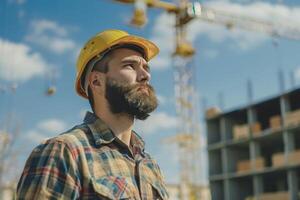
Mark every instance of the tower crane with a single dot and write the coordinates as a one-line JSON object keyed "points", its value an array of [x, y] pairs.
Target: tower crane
{"points": [[187, 11], [188, 130]]}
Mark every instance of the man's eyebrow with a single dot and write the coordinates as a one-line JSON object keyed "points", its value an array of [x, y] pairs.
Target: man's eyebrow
{"points": [[145, 65]]}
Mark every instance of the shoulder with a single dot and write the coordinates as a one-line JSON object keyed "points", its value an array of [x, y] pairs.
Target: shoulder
{"points": [[69, 141], [52, 163], [71, 138]]}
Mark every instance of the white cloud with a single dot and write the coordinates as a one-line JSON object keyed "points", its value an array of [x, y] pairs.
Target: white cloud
{"points": [[51, 36], [45, 129], [19, 63], [52, 126], [156, 122], [162, 61], [164, 37], [35, 136], [275, 13], [285, 19], [161, 99], [43, 26], [240, 39], [17, 1], [165, 100]]}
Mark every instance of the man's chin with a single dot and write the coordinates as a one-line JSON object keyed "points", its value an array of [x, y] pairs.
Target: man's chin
{"points": [[137, 100]]}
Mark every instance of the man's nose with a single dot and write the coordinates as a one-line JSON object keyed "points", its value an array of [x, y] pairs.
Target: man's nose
{"points": [[143, 75]]}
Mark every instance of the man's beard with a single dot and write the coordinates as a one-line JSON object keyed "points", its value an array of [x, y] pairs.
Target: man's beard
{"points": [[126, 98]]}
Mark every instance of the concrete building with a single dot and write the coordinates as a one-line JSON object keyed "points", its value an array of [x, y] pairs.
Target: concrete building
{"points": [[254, 151]]}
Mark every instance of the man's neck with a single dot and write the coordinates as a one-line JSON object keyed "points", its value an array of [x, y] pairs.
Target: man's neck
{"points": [[121, 124]]}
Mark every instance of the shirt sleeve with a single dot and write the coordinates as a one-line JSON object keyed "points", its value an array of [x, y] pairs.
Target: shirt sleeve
{"points": [[50, 173]]}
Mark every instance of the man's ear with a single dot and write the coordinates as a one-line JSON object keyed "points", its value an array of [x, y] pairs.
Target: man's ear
{"points": [[96, 81]]}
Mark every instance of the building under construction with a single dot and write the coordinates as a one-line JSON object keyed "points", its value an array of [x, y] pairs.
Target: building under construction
{"points": [[254, 151]]}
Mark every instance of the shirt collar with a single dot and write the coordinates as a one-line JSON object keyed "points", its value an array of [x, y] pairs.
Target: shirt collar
{"points": [[137, 143], [102, 134], [100, 131]]}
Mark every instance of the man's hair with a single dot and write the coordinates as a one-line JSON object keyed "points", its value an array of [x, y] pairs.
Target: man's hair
{"points": [[102, 65]]}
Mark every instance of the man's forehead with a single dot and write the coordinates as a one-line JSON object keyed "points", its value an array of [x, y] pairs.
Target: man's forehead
{"points": [[128, 55], [133, 59]]}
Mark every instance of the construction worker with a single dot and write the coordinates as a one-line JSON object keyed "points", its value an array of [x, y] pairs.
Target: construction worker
{"points": [[103, 158]]}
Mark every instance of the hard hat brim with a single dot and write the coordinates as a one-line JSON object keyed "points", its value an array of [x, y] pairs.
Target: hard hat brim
{"points": [[150, 49]]}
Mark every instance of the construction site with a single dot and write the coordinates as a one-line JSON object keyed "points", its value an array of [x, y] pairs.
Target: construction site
{"points": [[246, 150]]}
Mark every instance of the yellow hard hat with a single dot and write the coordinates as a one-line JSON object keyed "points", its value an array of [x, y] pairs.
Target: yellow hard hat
{"points": [[103, 41]]}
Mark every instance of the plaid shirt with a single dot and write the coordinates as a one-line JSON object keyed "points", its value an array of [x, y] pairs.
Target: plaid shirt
{"points": [[89, 162]]}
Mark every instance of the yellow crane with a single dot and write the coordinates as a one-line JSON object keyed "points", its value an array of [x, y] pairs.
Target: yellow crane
{"points": [[188, 130], [186, 11]]}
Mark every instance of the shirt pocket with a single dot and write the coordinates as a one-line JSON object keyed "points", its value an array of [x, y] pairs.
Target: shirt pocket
{"points": [[112, 187], [159, 190], [154, 180]]}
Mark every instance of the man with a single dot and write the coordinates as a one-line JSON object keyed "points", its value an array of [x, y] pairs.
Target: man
{"points": [[103, 158]]}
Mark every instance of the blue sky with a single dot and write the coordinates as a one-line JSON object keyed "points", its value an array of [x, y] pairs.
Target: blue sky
{"points": [[39, 39]]}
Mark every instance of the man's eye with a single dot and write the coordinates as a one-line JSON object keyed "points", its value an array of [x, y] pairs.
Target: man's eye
{"points": [[129, 66]]}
